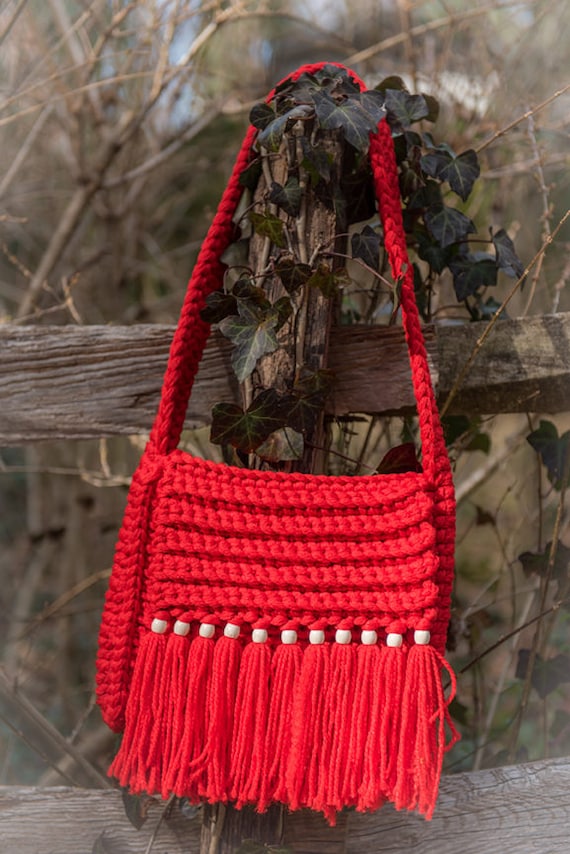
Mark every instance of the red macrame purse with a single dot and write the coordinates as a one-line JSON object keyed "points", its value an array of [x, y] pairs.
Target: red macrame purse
{"points": [[279, 637]]}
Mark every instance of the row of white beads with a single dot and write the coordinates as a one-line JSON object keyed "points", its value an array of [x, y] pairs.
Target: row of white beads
{"points": [[289, 636]]}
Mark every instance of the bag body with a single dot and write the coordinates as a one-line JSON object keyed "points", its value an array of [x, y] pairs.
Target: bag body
{"points": [[279, 637]]}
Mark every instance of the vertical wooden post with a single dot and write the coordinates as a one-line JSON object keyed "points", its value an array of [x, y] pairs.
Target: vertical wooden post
{"points": [[303, 346]]}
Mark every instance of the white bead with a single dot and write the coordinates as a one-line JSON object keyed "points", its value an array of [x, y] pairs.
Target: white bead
{"points": [[231, 630], [393, 639], [288, 636], [316, 636], [181, 628], [207, 630], [259, 635], [343, 636], [422, 637], [159, 626], [369, 637]]}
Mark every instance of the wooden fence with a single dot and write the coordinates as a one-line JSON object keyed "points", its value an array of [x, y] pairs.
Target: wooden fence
{"points": [[90, 382]]}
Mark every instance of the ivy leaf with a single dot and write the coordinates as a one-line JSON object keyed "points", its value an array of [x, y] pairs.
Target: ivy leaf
{"points": [[304, 405], [471, 272], [547, 675], [507, 259], [267, 225], [247, 430], [460, 171], [392, 82], [428, 196], [261, 115], [218, 305], [327, 280], [136, 808], [282, 445], [553, 451], [366, 246], [348, 116], [429, 250], [287, 197], [316, 161], [537, 563], [249, 178], [447, 225], [253, 334], [293, 276], [374, 104], [400, 459], [405, 109], [272, 134], [284, 309], [433, 107]]}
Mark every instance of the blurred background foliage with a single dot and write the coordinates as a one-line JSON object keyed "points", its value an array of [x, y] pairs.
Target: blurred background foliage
{"points": [[119, 122]]}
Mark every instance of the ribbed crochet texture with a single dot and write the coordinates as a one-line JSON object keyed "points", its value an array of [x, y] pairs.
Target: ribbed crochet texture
{"points": [[280, 637]]}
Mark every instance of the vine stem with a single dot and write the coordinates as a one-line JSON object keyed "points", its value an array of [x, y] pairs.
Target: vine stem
{"points": [[491, 325]]}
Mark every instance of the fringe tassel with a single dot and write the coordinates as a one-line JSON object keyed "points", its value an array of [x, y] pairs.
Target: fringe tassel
{"points": [[367, 691], [250, 721], [422, 734], [308, 725], [381, 754], [131, 765], [338, 714], [186, 775], [223, 687], [285, 672]]}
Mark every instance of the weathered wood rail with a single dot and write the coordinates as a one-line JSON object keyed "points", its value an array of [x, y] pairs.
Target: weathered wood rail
{"points": [[76, 382], [523, 809]]}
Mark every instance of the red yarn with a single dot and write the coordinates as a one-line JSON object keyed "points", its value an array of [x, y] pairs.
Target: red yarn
{"points": [[309, 721]]}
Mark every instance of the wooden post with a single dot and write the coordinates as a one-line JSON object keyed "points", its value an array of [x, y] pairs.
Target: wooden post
{"points": [[303, 346]]}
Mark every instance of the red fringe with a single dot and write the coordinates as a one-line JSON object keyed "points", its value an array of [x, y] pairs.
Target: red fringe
{"points": [[132, 764], [186, 774], [285, 672], [381, 755], [367, 690], [250, 724], [223, 687], [308, 729], [422, 732], [338, 718]]}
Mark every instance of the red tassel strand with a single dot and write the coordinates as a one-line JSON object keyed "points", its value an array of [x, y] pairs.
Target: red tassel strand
{"points": [[285, 672], [186, 774], [367, 690], [250, 720], [223, 687], [131, 765]]}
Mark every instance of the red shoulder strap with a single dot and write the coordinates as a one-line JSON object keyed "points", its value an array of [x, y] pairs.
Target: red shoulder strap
{"points": [[192, 332]]}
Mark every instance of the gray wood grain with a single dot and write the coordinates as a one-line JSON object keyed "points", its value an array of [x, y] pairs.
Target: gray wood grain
{"points": [[76, 382], [523, 809]]}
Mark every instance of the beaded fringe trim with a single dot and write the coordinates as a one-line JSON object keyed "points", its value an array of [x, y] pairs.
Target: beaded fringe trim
{"points": [[228, 716]]}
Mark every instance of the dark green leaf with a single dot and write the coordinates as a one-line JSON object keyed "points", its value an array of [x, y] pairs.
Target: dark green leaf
{"points": [[553, 450], [305, 404], [428, 196], [284, 309], [537, 563], [547, 675], [405, 109], [373, 103], [249, 178], [282, 445], [460, 171], [218, 305], [392, 82], [293, 276], [316, 161], [247, 430], [287, 197], [429, 250], [253, 334], [267, 225], [400, 459], [245, 290], [470, 273], [327, 280], [261, 115], [136, 808], [433, 107], [365, 245], [507, 259], [348, 116], [447, 225], [270, 137]]}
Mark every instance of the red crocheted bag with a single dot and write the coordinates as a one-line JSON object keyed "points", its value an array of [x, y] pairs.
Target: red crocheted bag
{"points": [[280, 637]]}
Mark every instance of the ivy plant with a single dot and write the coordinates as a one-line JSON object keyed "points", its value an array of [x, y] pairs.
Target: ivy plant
{"points": [[435, 183]]}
